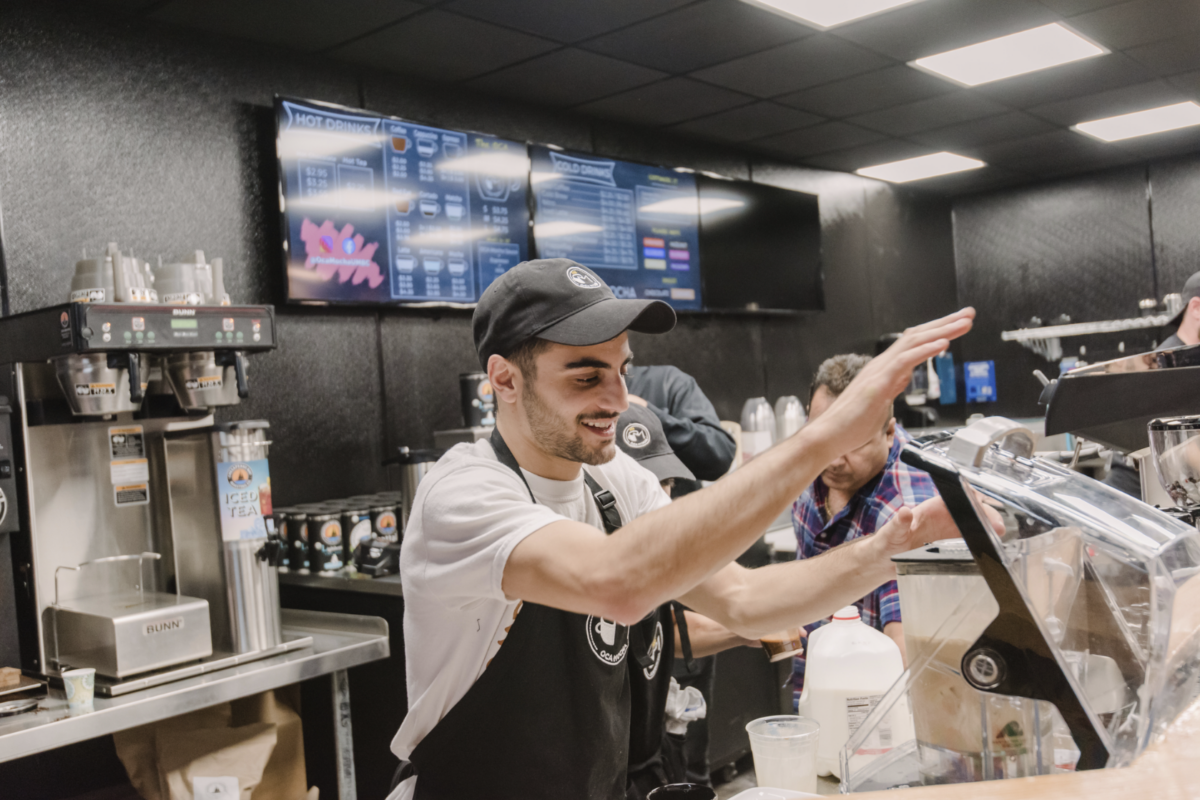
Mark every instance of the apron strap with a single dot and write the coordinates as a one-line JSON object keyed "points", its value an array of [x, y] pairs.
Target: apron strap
{"points": [[684, 639]]}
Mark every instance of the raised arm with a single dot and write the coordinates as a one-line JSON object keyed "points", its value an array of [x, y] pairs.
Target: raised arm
{"points": [[665, 553]]}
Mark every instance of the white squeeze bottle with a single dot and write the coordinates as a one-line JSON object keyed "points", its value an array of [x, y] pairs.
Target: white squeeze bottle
{"points": [[848, 668]]}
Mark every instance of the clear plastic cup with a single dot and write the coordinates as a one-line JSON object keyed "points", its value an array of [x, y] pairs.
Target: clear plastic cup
{"points": [[785, 752]]}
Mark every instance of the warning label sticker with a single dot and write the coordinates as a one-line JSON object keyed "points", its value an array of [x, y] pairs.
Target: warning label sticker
{"points": [[127, 442], [137, 494], [129, 470]]}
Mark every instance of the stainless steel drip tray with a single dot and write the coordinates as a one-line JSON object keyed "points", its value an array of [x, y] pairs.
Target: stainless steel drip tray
{"points": [[106, 687]]}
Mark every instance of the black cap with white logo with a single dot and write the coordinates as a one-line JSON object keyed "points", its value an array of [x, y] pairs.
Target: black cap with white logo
{"points": [[641, 435], [560, 301], [1190, 289]]}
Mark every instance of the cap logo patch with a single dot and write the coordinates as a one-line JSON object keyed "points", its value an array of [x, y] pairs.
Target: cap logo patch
{"points": [[583, 279], [636, 435]]}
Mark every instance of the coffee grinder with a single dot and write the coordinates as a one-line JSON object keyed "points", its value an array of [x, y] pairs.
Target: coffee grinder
{"points": [[139, 527]]}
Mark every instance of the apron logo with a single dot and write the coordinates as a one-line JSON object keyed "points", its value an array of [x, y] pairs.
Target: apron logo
{"points": [[656, 649], [636, 435], [608, 640], [583, 279]]}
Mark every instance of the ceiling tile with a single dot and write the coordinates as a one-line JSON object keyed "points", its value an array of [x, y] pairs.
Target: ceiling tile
{"points": [[1051, 152], [882, 88], [1069, 80], [1069, 8], [823, 138], [1109, 104], [935, 26], [698, 36], [443, 46], [578, 76], [1170, 57], [666, 102], [1188, 83], [976, 180], [964, 135], [749, 122], [564, 20], [934, 112], [1138, 22], [302, 24], [1163, 145], [868, 155], [790, 67]]}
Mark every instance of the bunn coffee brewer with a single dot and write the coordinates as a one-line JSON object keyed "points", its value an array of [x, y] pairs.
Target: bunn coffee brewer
{"points": [[1059, 634], [140, 528]]}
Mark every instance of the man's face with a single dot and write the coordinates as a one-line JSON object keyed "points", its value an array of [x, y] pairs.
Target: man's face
{"points": [[852, 471], [572, 403]]}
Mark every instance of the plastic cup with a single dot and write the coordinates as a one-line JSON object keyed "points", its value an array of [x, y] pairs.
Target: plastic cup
{"points": [[81, 687], [785, 752]]}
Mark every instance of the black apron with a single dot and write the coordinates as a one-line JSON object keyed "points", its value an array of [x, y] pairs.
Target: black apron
{"points": [[549, 717]]}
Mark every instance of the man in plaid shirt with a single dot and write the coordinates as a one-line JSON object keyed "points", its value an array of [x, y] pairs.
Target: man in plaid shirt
{"points": [[855, 496]]}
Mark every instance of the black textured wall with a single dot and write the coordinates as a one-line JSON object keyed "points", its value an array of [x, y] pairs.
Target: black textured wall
{"points": [[1089, 247], [119, 129]]}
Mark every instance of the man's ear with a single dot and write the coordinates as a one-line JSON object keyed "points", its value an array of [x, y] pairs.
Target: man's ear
{"points": [[505, 378], [890, 430], [1193, 308]]}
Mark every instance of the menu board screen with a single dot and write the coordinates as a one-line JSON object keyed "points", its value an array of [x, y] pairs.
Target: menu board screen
{"points": [[635, 225], [382, 210]]}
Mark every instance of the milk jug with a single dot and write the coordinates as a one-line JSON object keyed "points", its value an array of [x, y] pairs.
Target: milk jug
{"points": [[848, 669]]}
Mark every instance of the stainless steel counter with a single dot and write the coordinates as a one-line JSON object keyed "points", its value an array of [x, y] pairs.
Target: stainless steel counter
{"points": [[340, 641], [344, 581]]}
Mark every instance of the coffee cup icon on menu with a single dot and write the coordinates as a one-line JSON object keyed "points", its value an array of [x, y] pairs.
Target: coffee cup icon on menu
{"points": [[432, 266], [607, 631], [406, 263], [430, 208], [427, 144], [455, 211]]}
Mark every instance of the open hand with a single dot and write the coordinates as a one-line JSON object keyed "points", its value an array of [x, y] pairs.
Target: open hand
{"points": [[861, 410]]}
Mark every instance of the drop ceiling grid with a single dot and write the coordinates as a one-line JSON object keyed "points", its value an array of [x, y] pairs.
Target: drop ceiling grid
{"points": [[731, 72]]}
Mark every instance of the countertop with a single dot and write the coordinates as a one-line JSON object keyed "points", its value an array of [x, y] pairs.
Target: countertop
{"points": [[344, 580], [1165, 771], [339, 641]]}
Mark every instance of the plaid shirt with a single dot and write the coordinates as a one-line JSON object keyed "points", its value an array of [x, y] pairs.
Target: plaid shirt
{"points": [[868, 510]]}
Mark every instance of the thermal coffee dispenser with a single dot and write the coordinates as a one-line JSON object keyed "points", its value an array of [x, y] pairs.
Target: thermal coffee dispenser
{"points": [[1059, 634], [142, 543]]}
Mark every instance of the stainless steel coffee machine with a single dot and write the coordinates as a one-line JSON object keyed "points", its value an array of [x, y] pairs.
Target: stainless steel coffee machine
{"points": [[142, 543]]}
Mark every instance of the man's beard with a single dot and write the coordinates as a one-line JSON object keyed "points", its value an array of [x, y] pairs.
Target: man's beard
{"points": [[559, 438]]}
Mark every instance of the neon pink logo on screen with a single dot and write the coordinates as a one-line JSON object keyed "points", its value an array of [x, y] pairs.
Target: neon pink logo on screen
{"points": [[342, 253]]}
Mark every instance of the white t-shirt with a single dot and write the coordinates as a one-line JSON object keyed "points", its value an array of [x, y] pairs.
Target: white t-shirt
{"points": [[469, 513]]}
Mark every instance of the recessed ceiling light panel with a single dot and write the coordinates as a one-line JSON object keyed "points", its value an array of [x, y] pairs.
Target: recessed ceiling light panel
{"points": [[826, 14], [1142, 123], [1015, 54], [915, 169]]}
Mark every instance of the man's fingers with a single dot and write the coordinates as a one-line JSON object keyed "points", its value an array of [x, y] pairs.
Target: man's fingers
{"points": [[963, 313]]}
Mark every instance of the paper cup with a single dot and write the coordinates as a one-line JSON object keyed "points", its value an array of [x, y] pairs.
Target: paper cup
{"points": [[785, 752], [81, 687], [783, 645]]}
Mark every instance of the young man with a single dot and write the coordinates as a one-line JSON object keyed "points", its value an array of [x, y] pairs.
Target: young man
{"points": [[528, 580], [856, 495], [1187, 321]]}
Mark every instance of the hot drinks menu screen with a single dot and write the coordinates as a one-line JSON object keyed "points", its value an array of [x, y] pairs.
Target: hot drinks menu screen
{"points": [[637, 226], [381, 210]]}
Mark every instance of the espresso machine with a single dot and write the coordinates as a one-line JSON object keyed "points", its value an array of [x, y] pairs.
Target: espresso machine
{"points": [[141, 529], [1060, 633]]}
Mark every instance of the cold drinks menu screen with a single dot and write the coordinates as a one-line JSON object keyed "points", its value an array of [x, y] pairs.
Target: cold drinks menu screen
{"points": [[382, 210], [636, 226]]}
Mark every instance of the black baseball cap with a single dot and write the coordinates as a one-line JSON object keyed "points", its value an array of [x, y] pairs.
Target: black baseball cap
{"points": [[641, 435], [1190, 289], [560, 301]]}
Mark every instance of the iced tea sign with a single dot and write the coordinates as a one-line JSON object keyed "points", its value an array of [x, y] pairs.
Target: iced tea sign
{"points": [[244, 492]]}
